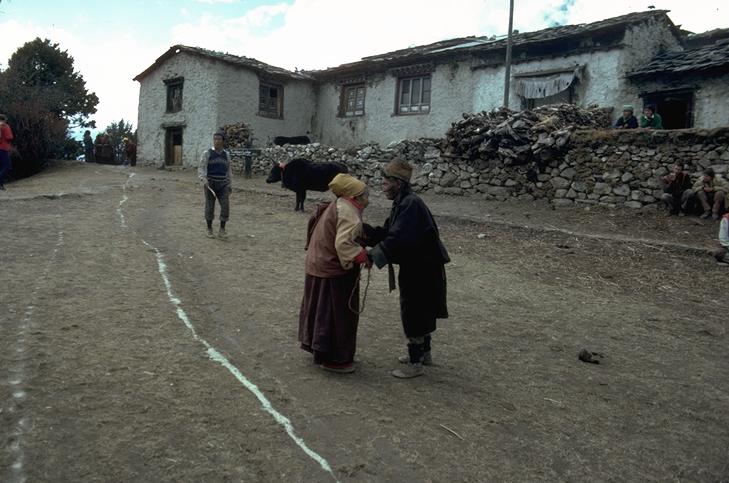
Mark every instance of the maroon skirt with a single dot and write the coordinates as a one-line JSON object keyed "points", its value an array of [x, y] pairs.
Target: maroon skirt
{"points": [[327, 324]]}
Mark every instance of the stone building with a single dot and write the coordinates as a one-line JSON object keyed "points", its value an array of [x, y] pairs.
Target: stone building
{"points": [[418, 92], [690, 87]]}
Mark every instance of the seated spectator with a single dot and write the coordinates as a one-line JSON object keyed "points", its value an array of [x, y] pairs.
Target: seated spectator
{"points": [[627, 120], [710, 191], [677, 189], [650, 118], [721, 254]]}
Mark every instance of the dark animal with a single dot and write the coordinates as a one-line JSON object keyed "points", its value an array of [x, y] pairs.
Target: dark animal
{"points": [[300, 175], [281, 140]]}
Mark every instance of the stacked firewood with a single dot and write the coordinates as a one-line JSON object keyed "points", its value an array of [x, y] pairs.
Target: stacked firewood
{"points": [[238, 135], [517, 137]]}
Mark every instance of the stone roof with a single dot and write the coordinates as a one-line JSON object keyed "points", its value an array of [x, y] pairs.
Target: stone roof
{"points": [[692, 40], [713, 57], [473, 44], [240, 61]]}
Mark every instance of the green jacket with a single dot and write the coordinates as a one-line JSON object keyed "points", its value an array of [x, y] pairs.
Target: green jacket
{"points": [[654, 123]]}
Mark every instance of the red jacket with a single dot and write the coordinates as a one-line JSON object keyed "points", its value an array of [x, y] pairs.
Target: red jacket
{"points": [[6, 135]]}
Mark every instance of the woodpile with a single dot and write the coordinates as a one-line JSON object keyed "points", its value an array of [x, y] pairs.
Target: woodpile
{"points": [[518, 137], [238, 135]]}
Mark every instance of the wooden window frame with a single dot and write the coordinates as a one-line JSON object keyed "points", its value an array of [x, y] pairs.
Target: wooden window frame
{"points": [[172, 86], [344, 104], [266, 111], [405, 88]]}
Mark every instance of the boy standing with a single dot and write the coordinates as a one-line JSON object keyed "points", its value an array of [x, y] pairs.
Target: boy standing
{"points": [[215, 176]]}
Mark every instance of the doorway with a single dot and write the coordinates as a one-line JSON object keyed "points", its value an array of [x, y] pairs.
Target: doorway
{"points": [[173, 146], [674, 107]]}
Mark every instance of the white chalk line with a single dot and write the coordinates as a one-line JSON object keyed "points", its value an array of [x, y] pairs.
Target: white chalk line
{"points": [[216, 356], [18, 394], [124, 199]]}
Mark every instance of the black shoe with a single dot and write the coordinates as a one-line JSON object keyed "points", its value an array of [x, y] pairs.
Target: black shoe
{"points": [[706, 215]]}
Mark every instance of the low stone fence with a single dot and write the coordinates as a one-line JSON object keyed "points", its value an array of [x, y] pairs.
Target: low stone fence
{"points": [[613, 168]]}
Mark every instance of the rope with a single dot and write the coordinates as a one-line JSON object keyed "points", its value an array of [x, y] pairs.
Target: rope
{"points": [[355, 289], [213, 192]]}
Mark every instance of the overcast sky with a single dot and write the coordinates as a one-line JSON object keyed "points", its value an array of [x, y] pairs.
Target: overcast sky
{"points": [[113, 41]]}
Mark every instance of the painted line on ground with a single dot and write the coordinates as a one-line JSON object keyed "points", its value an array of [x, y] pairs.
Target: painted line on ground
{"points": [[216, 356]]}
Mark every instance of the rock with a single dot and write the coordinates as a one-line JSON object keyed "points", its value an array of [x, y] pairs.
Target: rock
{"points": [[579, 186], [455, 191], [426, 168], [563, 202], [720, 168], [510, 182], [481, 236], [498, 191], [559, 183], [622, 190], [602, 189], [633, 204], [571, 194], [568, 173], [544, 177], [560, 193], [626, 177], [448, 179]]}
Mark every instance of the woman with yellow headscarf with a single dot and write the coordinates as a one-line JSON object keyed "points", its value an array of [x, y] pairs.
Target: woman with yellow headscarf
{"points": [[330, 307]]}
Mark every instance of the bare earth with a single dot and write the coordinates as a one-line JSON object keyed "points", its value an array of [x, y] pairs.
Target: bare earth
{"points": [[101, 380]]}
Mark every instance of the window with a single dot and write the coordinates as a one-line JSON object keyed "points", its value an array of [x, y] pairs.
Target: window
{"points": [[174, 95], [353, 100], [270, 100], [413, 95]]}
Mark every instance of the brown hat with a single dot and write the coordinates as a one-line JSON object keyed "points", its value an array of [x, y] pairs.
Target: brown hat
{"points": [[399, 169]]}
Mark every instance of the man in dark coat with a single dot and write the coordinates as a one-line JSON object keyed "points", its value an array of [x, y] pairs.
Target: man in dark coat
{"points": [[410, 239]]}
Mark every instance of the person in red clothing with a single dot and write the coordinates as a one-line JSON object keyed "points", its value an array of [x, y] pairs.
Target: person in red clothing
{"points": [[6, 135]]}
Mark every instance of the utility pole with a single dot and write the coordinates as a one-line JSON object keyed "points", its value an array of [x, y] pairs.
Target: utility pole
{"points": [[507, 79]]}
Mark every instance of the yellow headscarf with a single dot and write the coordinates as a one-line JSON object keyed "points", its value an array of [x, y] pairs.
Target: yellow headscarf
{"points": [[347, 185]]}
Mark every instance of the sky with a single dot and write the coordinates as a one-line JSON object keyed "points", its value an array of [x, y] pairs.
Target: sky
{"points": [[113, 41]]}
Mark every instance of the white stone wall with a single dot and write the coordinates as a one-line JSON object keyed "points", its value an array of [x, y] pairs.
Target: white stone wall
{"points": [[238, 101], [711, 101], [199, 102], [601, 83], [451, 95]]}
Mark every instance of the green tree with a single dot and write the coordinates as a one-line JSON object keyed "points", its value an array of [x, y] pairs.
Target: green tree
{"points": [[43, 97]]}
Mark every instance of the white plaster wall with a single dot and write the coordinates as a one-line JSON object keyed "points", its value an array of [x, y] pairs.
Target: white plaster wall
{"points": [[451, 95], [238, 101], [601, 83], [199, 99], [711, 101]]}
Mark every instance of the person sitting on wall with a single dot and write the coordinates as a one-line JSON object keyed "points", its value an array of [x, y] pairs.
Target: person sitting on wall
{"points": [[677, 189], [650, 118], [627, 120], [710, 191]]}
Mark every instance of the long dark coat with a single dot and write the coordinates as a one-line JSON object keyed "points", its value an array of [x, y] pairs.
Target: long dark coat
{"points": [[410, 239]]}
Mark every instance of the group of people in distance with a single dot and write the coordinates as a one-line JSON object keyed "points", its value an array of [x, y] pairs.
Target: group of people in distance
{"points": [[337, 250], [101, 150]]}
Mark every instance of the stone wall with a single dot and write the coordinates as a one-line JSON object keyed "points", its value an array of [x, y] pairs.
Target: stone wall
{"points": [[611, 168]]}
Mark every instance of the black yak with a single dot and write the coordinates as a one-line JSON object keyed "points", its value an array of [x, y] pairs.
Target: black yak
{"points": [[281, 140], [300, 175]]}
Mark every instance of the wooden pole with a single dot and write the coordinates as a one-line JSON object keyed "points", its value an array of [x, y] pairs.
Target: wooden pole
{"points": [[507, 77]]}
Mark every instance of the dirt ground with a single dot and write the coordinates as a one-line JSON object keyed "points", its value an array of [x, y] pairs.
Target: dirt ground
{"points": [[101, 380]]}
